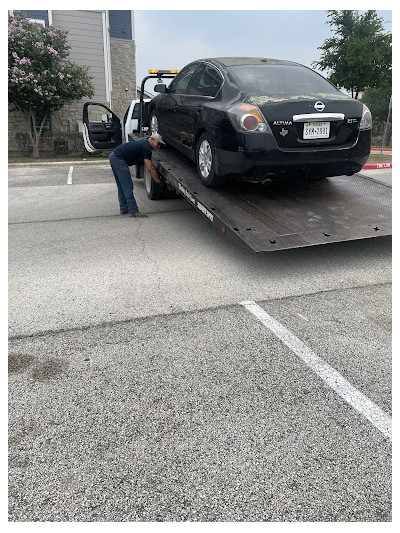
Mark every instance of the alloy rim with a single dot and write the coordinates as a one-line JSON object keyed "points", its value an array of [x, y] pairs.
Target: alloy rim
{"points": [[154, 124], [205, 158], [147, 180]]}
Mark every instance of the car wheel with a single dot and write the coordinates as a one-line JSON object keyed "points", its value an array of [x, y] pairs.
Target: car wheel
{"points": [[138, 172], [205, 159], [153, 191], [153, 122]]}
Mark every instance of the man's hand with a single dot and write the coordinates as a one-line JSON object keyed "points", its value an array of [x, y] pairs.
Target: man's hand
{"points": [[154, 174]]}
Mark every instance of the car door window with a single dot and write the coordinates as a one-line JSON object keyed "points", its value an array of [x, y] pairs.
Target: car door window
{"points": [[136, 109], [206, 82], [216, 84], [198, 82], [181, 82]]}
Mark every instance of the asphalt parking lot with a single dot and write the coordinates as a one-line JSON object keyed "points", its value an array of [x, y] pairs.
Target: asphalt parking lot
{"points": [[159, 373]]}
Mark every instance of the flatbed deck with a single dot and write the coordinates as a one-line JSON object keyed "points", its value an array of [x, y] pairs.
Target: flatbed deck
{"points": [[272, 217]]}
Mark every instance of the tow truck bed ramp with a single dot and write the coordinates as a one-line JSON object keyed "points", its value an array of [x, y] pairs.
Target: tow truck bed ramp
{"points": [[270, 218]]}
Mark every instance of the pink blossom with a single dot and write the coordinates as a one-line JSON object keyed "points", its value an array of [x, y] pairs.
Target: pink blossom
{"points": [[51, 50]]}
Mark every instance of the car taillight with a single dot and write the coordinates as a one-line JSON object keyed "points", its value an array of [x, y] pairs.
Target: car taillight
{"points": [[246, 117], [366, 119], [249, 122]]}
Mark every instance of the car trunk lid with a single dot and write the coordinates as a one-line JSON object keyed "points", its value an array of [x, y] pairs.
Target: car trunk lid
{"points": [[311, 123]]}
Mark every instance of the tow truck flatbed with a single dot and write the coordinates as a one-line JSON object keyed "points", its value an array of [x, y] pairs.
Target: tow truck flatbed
{"points": [[264, 218], [270, 218]]}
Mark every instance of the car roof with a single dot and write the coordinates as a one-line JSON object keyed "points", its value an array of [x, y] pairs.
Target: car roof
{"points": [[235, 61]]}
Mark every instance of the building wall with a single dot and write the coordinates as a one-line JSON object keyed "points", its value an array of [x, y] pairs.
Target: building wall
{"points": [[86, 38], [123, 68], [123, 63]]}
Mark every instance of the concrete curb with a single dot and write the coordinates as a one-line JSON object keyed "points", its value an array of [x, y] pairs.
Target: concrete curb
{"points": [[40, 163], [368, 166]]}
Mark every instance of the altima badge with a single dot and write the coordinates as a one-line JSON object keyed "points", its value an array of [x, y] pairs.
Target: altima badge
{"points": [[283, 132], [282, 123], [319, 106]]}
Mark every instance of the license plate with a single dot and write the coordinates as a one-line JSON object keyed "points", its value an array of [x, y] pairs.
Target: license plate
{"points": [[316, 130]]}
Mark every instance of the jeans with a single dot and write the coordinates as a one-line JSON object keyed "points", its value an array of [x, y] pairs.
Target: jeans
{"points": [[124, 183]]}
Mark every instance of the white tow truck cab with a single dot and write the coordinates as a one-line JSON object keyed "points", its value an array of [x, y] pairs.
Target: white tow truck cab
{"points": [[103, 130], [131, 118]]}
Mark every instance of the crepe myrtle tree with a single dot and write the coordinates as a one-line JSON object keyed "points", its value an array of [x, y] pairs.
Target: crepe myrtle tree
{"points": [[41, 79]]}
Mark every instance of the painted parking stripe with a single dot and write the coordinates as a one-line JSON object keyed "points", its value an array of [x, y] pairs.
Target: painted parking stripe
{"points": [[69, 180], [326, 372]]}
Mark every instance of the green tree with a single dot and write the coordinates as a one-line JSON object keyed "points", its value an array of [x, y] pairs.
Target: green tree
{"points": [[41, 79], [378, 101], [359, 55]]}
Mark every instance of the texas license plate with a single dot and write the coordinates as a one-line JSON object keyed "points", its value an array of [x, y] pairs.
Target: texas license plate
{"points": [[316, 130]]}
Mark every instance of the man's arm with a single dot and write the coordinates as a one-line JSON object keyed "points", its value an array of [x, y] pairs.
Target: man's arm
{"points": [[154, 174]]}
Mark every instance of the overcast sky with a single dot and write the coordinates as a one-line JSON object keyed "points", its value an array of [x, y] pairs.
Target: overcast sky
{"points": [[169, 39]]}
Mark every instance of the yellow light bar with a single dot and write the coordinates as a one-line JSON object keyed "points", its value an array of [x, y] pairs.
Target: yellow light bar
{"points": [[154, 71]]}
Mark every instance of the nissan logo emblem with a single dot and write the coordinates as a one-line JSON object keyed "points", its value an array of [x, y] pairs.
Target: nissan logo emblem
{"points": [[319, 106]]}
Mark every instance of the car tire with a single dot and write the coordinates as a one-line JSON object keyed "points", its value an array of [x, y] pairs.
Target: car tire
{"points": [[138, 172], [153, 190], [205, 161]]}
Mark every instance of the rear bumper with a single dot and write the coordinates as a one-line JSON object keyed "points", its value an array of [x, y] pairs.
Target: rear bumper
{"points": [[259, 156]]}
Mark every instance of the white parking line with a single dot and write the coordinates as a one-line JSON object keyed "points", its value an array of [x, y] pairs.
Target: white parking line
{"points": [[327, 373], [69, 181]]}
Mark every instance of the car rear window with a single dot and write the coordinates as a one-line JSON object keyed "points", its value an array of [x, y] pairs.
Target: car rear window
{"points": [[281, 80]]}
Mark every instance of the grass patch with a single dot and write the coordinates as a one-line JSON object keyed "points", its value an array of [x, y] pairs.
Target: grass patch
{"points": [[380, 158]]}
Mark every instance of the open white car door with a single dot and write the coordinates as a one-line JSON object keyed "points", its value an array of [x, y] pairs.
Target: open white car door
{"points": [[101, 127]]}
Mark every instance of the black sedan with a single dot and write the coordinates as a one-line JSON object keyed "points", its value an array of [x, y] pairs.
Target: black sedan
{"points": [[262, 120]]}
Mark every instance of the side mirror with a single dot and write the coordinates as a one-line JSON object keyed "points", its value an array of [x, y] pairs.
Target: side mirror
{"points": [[160, 88]]}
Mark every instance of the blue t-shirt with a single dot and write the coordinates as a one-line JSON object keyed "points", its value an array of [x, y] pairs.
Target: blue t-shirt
{"points": [[134, 152]]}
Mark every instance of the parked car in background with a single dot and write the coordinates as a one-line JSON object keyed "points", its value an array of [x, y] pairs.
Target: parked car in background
{"points": [[260, 119]]}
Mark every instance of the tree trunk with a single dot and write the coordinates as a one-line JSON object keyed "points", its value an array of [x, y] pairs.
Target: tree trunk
{"points": [[36, 136], [33, 134], [35, 143], [35, 148], [28, 125]]}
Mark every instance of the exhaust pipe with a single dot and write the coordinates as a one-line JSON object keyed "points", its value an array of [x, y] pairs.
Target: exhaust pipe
{"points": [[269, 178]]}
